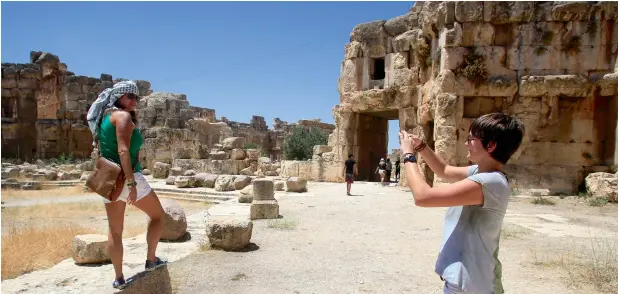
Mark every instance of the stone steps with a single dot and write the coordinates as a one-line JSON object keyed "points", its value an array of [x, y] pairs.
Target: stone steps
{"points": [[194, 197]]}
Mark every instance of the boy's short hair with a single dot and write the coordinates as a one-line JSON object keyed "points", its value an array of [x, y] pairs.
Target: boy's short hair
{"points": [[350, 155], [504, 130]]}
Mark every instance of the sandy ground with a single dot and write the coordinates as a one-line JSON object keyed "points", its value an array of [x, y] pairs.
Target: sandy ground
{"points": [[380, 242]]}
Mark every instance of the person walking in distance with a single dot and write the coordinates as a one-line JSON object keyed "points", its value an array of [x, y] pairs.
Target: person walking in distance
{"points": [[389, 169], [477, 200], [351, 170], [112, 120], [397, 169]]}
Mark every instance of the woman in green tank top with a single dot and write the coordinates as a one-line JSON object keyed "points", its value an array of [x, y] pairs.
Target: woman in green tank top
{"points": [[113, 121]]}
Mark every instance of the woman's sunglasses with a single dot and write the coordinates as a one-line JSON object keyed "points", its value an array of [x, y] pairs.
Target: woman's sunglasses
{"points": [[133, 97]]}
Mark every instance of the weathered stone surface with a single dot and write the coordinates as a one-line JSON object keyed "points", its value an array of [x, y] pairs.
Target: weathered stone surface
{"points": [[233, 142], [241, 182], [246, 194], [263, 189], [184, 181], [224, 183], [229, 233], [31, 185], [146, 172], [189, 173], [176, 171], [90, 249], [207, 180], [174, 220], [238, 154], [264, 209], [218, 155], [279, 185], [160, 170], [296, 184], [603, 185]]}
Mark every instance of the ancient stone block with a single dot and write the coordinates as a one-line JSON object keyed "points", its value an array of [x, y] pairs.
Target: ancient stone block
{"points": [[176, 171], [237, 154], [471, 11], [451, 37], [296, 184], [508, 12], [368, 31], [31, 185], [218, 155], [174, 220], [571, 11], [476, 34], [241, 182], [184, 181], [8, 83], [224, 183], [402, 43], [160, 170], [229, 233], [264, 209], [233, 142], [400, 24], [263, 189], [90, 249], [171, 180]]}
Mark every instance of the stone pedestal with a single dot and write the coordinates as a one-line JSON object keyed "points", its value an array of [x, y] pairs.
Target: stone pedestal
{"points": [[264, 205]]}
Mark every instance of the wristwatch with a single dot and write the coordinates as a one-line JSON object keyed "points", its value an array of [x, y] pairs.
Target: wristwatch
{"points": [[131, 184], [409, 157]]}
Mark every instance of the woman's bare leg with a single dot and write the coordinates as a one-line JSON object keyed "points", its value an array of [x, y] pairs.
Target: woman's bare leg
{"points": [[115, 219], [151, 205]]}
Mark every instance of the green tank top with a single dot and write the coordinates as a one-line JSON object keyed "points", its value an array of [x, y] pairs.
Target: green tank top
{"points": [[109, 143]]}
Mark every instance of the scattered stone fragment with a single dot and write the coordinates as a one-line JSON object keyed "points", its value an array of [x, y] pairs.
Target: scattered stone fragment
{"points": [[174, 220], [279, 185], [146, 172], [224, 183], [31, 185], [189, 172], [90, 249], [296, 184], [241, 181], [160, 170], [185, 181], [229, 233], [176, 171], [171, 180]]}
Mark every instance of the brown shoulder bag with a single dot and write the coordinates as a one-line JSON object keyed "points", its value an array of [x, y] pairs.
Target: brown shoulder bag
{"points": [[104, 177]]}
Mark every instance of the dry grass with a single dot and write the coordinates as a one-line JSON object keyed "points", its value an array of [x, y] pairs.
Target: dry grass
{"points": [[512, 231], [594, 263], [543, 201], [45, 193], [26, 249], [282, 224]]}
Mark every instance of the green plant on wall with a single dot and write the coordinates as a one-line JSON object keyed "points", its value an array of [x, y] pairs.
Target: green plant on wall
{"points": [[473, 68], [299, 144]]}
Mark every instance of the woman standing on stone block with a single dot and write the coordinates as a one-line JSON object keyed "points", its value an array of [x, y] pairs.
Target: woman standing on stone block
{"points": [[477, 200], [112, 120]]}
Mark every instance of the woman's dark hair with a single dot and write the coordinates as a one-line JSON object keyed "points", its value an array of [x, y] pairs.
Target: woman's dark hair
{"points": [[504, 130]]}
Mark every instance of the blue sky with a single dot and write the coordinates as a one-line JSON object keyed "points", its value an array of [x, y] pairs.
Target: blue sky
{"points": [[274, 59]]}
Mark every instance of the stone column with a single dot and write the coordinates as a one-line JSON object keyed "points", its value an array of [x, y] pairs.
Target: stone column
{"points": [[447, 114], [264, 205]]}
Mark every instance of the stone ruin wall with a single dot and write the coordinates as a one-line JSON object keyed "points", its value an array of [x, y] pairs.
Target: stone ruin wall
{"points": [[550, 64], [44, 109]]}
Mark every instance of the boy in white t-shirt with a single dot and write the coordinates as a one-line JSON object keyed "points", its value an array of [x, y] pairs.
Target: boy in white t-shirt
{"points": [[477, 201]]}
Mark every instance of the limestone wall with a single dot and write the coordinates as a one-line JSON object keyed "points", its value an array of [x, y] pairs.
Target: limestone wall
{"points": [[442, 64]]}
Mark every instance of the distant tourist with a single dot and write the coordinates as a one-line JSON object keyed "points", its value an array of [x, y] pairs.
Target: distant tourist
{"points": [[397, 169], [381, 170], [389, 169], [112, 120], [468, 260], [351, 170]]}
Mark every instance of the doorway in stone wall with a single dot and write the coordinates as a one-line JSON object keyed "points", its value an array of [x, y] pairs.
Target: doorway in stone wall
{"points": [[372, 139]]}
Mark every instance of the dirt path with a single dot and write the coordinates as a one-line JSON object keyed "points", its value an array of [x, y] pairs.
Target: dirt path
{"points": [[377, 242]]}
